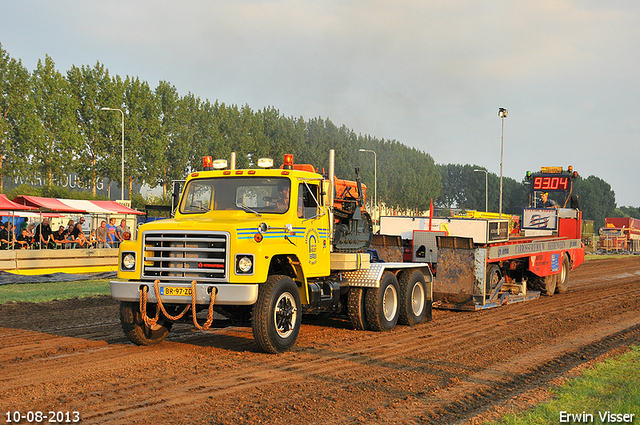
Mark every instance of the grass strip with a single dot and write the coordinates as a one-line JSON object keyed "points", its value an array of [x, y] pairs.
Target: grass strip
{"points": [[48, 291], [608, 393]]}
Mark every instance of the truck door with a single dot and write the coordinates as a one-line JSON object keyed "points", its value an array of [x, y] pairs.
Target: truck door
{"points": [[315, 224]]}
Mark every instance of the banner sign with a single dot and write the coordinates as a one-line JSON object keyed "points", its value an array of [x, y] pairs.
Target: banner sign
{"points": [[540, 219]]}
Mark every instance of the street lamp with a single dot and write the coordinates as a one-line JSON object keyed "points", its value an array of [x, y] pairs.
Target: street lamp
{"points": [[486, 188], [122, 165], [375, 181], [502, 113]]}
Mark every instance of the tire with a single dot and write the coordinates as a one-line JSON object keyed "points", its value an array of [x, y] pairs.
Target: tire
{"points": [[493, 277], [136, 330], [381, 304], [548, 284], [563, 277], [276, 317], [413, 297], [356, 308]]}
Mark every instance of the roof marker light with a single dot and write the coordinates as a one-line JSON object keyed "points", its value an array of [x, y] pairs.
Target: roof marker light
{"points": [[265, 163], [220, 164]]}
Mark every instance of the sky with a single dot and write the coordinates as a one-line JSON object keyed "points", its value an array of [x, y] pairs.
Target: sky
{"points": [[430, 74]]}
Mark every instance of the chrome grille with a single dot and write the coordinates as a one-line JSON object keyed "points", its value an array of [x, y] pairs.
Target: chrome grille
{"points": [[185, 255]]}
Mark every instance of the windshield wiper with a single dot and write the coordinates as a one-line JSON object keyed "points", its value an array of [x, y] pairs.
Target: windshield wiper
{"points": [[247, 209], [199, 207]]}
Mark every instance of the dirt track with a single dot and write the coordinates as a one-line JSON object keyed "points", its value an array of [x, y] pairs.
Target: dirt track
{"points": [[460, 367]]}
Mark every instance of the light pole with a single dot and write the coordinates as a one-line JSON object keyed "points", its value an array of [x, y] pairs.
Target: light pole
{"points": [[122, 164], [502, 113], [375, 181], [486, 188]]}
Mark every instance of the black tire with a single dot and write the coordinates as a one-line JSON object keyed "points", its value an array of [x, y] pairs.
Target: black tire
{"points": [[356, 308], [277, 315], [136, 330], [493, 277], [381, 304], [563, 277], [548, 284], [413, 296]]}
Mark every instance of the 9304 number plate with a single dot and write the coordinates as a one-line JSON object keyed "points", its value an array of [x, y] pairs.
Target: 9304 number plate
{"points": [[175, 291]]}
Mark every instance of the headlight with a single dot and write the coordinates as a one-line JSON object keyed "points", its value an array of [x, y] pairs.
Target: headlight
{"points": [[244, 264], [128, 261]]}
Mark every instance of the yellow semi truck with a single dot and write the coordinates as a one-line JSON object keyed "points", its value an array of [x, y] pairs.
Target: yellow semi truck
{"points": [[262, 246]]}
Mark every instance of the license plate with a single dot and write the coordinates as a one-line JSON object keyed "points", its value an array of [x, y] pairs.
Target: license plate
{"points": [[175, 291]]}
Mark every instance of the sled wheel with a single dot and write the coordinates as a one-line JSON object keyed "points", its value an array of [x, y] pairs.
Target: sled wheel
{"points": [[563, 277], [548, 284], [492, 278], [381, 304], [276, 314], [413, 297], [136, 330]]}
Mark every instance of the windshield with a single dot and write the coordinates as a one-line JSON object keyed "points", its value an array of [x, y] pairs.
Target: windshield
{"points": [[251, 194]]}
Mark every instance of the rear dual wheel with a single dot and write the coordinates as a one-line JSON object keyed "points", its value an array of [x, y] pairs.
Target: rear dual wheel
{"points": [[414, 300], [381, 304]]}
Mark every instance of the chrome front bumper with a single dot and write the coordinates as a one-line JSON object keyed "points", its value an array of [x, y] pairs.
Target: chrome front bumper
{"points": [[226, 294]]}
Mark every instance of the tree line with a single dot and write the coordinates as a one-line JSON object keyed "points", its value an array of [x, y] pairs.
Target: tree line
{"points": [[53, 124]]}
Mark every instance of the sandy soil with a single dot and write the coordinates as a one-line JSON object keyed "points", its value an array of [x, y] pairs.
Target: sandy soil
{"points": [[462, 367]]}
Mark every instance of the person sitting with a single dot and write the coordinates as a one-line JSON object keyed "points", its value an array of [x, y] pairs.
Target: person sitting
{"points": [[60, 238], [6, 241], [93, 242], [43, 234], [546, 202], [23, 240], [282, 204], [70, 226], [80, 238]]}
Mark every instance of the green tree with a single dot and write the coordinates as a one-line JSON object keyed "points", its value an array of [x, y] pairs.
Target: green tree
{"points": [[143, 144], [597, 199], [92, 89], [55, 141], [17, 118]]}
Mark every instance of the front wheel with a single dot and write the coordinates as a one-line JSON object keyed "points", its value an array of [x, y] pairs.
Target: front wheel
{"points": [[137, 330], [276, 314], [414, 303]]}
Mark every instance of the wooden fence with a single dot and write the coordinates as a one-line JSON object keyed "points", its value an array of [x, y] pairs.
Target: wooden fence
{"points": [[59, 260]]}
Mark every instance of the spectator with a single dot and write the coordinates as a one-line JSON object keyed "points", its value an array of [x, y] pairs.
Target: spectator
{"points": [[6, 242], [80, 239], [30, 233], [70, 226], [122, 231], [111, 227], [77, 229], [102, 234], [81, 221], [12, 234], [93, 242], [60, 238], [23, 240], [43, 234]]}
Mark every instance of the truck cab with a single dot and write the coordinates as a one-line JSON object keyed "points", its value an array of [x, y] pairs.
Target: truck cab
{"points": [[232, 229]]}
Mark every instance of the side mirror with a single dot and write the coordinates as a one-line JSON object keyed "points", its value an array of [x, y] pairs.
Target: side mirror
{"points": [[175, 197]]}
